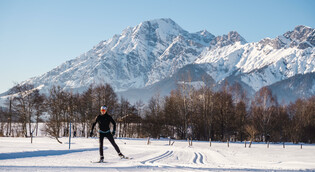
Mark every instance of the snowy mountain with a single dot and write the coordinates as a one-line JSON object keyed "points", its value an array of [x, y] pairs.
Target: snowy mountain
{"points": [[151, 56], [298, 86], [262, 63], [140, 56]]}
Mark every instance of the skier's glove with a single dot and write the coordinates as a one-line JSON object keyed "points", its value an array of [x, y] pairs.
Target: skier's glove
{"points": [[91, 134], [113, 133]]}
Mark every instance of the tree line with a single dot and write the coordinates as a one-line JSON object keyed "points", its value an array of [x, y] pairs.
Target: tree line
{"points": [[203, 114], [186, 112]]}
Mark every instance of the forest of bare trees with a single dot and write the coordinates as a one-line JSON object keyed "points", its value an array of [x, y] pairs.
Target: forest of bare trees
{"points": [[186, 112]]}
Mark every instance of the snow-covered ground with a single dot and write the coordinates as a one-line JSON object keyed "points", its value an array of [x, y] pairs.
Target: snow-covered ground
{"points": [[45, 154]]}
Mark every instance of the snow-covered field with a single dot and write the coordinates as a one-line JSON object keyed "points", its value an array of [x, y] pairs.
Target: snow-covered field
{"points": [[45, 154]]}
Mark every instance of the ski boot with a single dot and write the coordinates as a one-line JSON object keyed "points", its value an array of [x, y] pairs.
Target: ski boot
{"points": [[121, 155], [101, 159]]}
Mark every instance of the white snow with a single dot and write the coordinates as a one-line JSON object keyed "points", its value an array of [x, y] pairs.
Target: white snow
{"points": [[45, 154], [274, 65]]}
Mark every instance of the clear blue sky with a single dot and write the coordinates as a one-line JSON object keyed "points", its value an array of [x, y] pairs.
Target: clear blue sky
{"points": [[37, 36]]}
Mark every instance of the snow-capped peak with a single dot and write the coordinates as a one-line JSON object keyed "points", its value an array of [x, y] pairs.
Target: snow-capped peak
{"points": [[164, 29], [224, 40], [131, 59], [302, 37]]}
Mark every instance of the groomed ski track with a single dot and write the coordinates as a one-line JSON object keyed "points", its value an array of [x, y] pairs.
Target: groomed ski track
{"points": [[21, 155]]}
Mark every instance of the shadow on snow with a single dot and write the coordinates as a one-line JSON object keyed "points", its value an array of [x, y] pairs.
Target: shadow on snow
{"points": [[40, 153]]}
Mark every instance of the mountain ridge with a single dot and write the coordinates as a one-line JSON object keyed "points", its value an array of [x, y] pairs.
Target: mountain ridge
{"points": [[156, 50]]}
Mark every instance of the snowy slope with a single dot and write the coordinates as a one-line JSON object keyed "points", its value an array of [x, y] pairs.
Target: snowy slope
{"points": [[298, 86], [194, 74], [45, 154]]}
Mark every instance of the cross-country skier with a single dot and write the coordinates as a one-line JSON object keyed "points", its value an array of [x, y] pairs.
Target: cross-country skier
{"points": [[103, 121]]}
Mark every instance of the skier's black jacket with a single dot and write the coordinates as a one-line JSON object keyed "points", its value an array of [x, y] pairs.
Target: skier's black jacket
{"points": [[103, 123]]}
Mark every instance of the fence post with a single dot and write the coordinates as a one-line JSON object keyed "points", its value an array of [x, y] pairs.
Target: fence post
{"points": [[228, 143], [245, 143], [69, 135], [148, 141], [301, 146], [268, 144], [283, 145], [210, 141]]}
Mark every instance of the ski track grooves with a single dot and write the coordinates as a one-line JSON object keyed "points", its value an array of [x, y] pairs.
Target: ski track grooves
{"points": [[152, 160], [198, 156]]}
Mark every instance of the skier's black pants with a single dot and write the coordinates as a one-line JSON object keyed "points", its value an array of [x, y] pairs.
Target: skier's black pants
{"points": [[112, 141]]}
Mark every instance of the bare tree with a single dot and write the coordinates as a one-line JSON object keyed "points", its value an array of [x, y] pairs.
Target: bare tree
{"points": [[123, 110], [140, 106], [302, 115], [8, 115], [224, 114], [87, 110], [208, 111], [262, 109], [105, 95], [55, 102], [251, 130], [24, 103], [152, 124], [241, 117], [39, 108], [186, 90]]}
